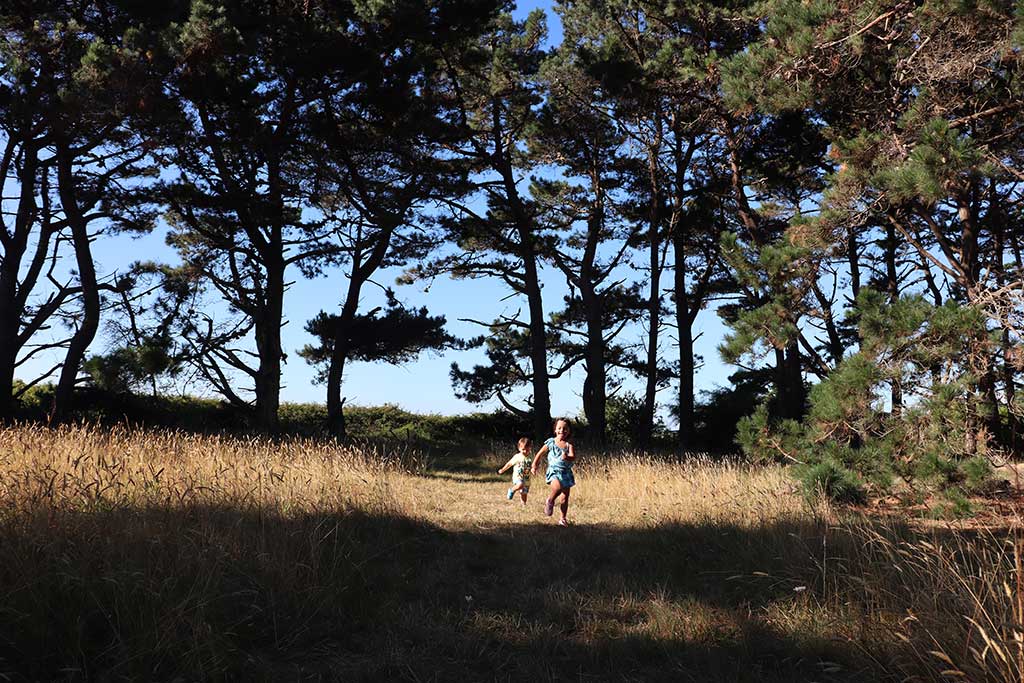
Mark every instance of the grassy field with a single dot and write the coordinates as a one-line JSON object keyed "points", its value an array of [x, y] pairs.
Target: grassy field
{"points": [[167, 556]]}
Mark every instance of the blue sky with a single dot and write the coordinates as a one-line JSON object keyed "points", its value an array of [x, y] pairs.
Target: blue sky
{"points": [[554, 23], [422, 386]]}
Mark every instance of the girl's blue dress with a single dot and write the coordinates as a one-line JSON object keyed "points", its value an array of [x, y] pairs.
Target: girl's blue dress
{"points": [[558, 467]]}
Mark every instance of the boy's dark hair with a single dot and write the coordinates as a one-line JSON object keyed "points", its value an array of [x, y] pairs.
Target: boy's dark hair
{"points": [[523, 440]]}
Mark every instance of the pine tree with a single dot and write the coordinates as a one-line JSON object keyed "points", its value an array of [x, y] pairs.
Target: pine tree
{"points": [[919, 105], [590, 236], [659, 68], [493, 93], [236, 205], [79, 89], [379, 160]]}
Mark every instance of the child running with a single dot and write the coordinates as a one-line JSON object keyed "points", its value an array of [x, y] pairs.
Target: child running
{"points": [[561, 455], [520, 475]]}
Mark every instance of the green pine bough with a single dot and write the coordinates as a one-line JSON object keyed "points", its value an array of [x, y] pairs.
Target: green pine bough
{"points": [[906, 414]]}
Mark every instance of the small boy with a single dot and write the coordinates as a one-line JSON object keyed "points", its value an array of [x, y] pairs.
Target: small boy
{"points": [[520, 464]]}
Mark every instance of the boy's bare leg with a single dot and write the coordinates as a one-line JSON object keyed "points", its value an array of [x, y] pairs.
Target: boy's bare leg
{"points": [[512, 490], [522, 494]]}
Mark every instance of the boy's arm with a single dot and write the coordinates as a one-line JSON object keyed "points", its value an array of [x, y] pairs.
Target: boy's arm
{"points": [[536, 459], [507, 465]]}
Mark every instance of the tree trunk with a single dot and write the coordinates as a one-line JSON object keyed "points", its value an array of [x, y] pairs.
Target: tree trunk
{"points": [[853, 259], [8, 344], [1009, 372], [796, 380], [538, 343], [532, 290], [11, 300], [594, 386], [653, 310], [8, 357], [363, 266], [987, 385], [654, 216], [687, 306], [789, 382], [9, 328], [335, 371], [339, 354], [1008, 434], [687, 425], [268, 346], [1010, 437], [654, 321], [967, 211], [90, 321], [684, 327], [892, 287]]}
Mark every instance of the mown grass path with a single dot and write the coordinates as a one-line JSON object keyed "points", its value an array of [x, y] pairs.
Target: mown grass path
{"points": [[477, 587]]}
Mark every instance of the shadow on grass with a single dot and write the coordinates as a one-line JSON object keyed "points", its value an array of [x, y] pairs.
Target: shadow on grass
{"points": [[210, 592]]}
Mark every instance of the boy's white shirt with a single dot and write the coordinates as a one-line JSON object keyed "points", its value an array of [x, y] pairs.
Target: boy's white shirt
{"points": [[515, 460]]}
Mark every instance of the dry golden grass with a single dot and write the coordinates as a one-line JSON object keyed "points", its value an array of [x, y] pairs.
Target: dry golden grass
{"points": [[159, 555], [621, 491]]}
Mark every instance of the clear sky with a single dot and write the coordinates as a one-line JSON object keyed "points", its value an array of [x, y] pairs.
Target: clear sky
{"points": [[421, 386]]}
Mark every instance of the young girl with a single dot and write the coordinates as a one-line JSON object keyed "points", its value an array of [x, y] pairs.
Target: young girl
{"points": [[561, 455], [520, 475]]}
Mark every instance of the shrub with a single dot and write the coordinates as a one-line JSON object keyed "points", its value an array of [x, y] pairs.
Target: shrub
{"points": [[205, 415], [623, 413], [766, 440], [926, 360], [831, 479], [718, 413], [977, 472]]}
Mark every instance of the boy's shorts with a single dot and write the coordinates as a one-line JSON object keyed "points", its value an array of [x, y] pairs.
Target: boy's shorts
{"points": [[524, 482]]}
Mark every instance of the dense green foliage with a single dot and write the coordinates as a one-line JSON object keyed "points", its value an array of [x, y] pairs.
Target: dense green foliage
{"points": [[916, 223], [850, 439]]}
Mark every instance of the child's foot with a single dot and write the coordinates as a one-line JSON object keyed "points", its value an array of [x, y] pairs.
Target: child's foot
{"points": [[511, 493], [549, 507], [563, 522]]}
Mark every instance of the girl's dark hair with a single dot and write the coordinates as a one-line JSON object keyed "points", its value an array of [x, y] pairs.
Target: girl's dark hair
{"points": [[566, 420]]}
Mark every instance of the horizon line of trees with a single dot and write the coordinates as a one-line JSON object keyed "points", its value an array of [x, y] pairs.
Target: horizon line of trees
{"points": [[841, 183]]}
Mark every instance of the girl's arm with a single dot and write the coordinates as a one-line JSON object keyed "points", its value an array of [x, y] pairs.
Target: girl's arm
{"points": [[570, 452], [507, 465], [536, 459]]}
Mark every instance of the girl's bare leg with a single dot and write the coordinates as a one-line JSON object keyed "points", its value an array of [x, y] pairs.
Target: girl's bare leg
{"points": [[556, 488], [564, 507]]}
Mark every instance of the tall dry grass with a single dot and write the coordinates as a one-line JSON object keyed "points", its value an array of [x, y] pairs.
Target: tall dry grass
{"points": [[628, 489], [163, 555]]}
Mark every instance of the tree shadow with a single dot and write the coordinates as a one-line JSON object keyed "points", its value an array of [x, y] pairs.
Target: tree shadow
{"points": [[200, 592]]}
